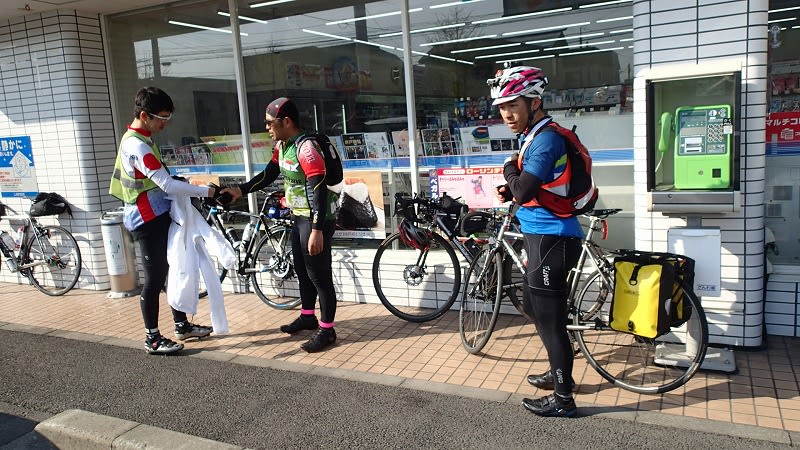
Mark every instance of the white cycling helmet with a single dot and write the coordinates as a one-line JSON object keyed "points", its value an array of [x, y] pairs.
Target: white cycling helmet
{"points": [[520, 81]]}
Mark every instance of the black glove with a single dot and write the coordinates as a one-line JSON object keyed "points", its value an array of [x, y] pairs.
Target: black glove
{"points": [[505, 192], [218, 198]]}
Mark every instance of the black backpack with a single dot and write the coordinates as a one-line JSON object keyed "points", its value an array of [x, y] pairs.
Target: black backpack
{"points": [[334, 173]]}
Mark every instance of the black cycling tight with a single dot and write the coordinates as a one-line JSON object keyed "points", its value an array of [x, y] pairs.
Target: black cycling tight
{"points": [[314, 272], [550, 259], [152, 240]]}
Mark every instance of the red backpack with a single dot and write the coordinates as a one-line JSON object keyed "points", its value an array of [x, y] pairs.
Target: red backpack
{"points": [[573, 192]]}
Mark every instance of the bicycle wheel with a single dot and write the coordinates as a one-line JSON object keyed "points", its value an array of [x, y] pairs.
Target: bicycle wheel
{"points": [[416, 285], [634, 363], [53, 260], [480, 301], [274, 280]]}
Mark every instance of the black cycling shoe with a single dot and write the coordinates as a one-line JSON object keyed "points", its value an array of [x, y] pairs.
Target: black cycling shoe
{"points": [[550, 406], [300, 324], [320, 340], [545, 381]]}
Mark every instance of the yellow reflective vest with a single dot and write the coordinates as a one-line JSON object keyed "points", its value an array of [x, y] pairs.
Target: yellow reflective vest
{"points": [[124, 186]]}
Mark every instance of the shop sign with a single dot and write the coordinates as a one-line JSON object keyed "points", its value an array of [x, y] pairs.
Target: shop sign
{"points": [[783, 126]]}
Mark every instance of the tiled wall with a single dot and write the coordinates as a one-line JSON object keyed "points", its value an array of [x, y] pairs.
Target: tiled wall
{"points": [[702, 32], [55, 89]]}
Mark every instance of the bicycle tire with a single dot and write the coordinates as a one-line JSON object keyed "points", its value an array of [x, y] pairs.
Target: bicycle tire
{"points": [[55, 260], [275, 280], [480, 300], [409, 291], [633, 363]]}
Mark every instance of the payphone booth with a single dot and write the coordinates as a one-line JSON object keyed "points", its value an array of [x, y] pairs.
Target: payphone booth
{"points": [[693, 143], [693, 172]]}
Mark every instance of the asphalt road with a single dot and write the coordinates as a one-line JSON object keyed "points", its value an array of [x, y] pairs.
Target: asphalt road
{"points": [[265, 408]]}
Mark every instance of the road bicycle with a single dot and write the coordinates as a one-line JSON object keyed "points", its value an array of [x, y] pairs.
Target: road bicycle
{"points": [[263, 251], [410, 279], [482, 297], [635, 363], [47, 255]]}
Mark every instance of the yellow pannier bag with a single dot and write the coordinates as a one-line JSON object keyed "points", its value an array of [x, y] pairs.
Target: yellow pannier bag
{"points": [[643, 290]]}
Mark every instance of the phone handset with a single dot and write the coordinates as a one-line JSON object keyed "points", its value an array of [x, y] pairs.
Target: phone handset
{"points": [[663, 136]]}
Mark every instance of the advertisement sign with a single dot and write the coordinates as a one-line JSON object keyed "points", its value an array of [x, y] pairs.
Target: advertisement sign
{"points": [[361, 212], [783, 127], [17, 170], [227, 149], [474, 186]]}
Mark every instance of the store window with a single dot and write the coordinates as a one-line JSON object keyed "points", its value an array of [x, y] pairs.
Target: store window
{"points": [[783, 131], [343, 65]]}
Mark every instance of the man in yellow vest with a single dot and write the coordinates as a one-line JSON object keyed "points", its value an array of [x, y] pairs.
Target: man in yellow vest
{"points": [[142, 182]]}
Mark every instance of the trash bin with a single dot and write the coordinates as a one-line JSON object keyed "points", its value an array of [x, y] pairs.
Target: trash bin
{"points": [[120, 255]]}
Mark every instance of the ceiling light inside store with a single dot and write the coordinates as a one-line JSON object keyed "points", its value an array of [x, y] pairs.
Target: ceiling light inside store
{"points": [[372, 16], [332, 36], [497, 55], [564, 38], [203, 27], [459, 3], [491, 47], [251, 19], [627, 30], [374, 44], [539, 30], [613, 2], [425, 30], [443, 57], [614, 19], [792, 8], [788, 19], [586, 44], [520, 16], [270, 3], [504, 61], [458, 41], [591, 51]]}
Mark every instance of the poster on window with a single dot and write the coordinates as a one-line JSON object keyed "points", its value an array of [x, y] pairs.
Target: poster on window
{"points": [[361, 213], [354, 146], [474, 186], [378, 145], [17, 170]]}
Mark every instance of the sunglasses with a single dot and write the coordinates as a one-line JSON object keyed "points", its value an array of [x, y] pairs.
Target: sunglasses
{"points": [[270, 122], [164, 118]]}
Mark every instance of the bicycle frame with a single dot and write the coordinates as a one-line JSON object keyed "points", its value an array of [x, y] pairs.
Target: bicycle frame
{"points": [[592, 251], [260, 223], [29, 224]]}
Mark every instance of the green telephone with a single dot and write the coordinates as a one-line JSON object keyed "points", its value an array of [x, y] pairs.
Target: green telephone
{"points": [[702, 146], [666, 129]]}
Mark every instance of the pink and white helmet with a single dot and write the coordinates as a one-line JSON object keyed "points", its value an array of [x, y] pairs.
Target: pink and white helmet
{"points": [[520, 81]]}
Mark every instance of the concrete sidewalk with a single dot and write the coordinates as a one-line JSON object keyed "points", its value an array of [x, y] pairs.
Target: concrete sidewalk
{"points": [[376, 346]]}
